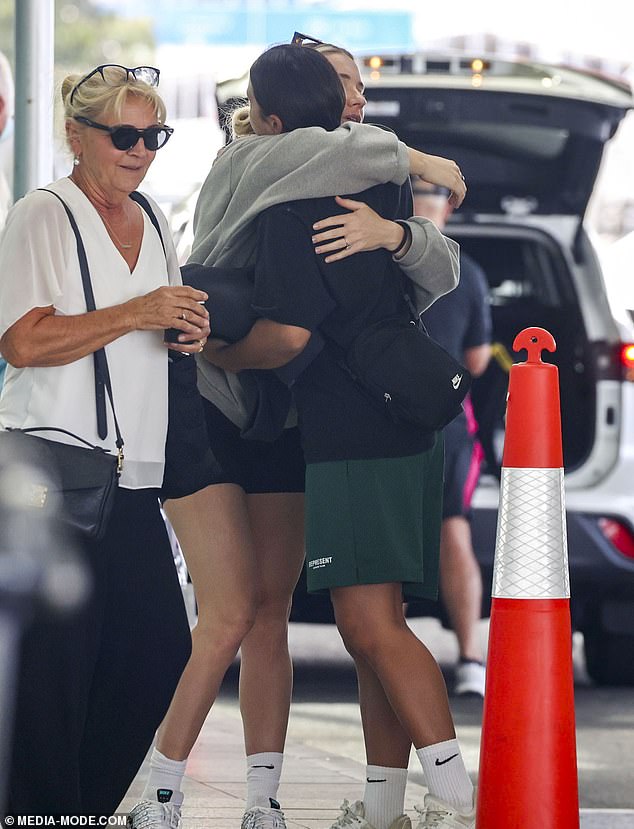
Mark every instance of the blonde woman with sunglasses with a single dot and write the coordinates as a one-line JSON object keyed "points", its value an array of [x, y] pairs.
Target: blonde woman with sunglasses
{"points": [[93, 689]]}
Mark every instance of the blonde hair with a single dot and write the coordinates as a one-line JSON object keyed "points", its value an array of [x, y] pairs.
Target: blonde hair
{"points": [[240, 121], [328, 48], [96, 97]]}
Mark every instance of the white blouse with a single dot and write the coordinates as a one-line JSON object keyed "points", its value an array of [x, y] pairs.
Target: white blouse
{"points": [[38, 268]]}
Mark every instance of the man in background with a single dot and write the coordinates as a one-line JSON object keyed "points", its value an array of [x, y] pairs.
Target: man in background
{"points": [[461, 322]]}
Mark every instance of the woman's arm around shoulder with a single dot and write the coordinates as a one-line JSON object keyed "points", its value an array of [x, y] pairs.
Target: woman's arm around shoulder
{"points": [[313, 162]]}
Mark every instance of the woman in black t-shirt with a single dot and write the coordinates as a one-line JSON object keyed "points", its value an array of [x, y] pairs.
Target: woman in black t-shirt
{"points": [[243, 536], [373, 489]]}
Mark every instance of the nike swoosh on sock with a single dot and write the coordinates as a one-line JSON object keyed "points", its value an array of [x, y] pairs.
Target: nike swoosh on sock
{"points": [[442, 762]]}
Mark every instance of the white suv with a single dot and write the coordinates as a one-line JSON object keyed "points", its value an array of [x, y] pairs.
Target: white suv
{"points": [[529, 139]]}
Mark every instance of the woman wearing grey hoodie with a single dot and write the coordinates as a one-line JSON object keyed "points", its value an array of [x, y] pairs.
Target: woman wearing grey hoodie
{"points": [[243, 539]]}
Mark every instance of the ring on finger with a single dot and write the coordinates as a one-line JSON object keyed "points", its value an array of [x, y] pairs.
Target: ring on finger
{"points": [[184, 316]]}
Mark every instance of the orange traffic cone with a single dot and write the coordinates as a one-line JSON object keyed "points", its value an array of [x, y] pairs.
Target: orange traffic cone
{"points": [[528, 759]]}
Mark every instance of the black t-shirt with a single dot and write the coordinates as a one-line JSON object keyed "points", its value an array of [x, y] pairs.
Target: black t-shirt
{"points": [[294, 286], [459, 320]]}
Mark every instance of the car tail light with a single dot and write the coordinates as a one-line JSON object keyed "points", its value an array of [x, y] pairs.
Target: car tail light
{"points": [[614, 361], [619, 535], [627, 361]]}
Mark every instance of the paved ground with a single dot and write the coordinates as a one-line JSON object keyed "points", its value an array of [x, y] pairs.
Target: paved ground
{"points": [[320, 772], [314, 783]]}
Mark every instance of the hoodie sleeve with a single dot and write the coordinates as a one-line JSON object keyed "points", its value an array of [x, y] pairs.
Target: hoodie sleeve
{"points": [[256, 172], [311, 162], [432, 263]]}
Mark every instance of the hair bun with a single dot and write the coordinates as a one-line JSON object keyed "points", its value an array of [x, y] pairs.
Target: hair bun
{"points": [[241, 122]]}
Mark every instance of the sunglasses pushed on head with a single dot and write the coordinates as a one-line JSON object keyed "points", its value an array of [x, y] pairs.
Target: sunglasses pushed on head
{"points": [[299, 39]]}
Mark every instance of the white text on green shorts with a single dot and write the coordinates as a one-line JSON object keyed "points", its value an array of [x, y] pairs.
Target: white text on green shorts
{"points": [[319, 563]]}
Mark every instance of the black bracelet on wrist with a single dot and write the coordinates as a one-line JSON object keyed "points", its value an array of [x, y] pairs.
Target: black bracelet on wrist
{"points": [[406, 241]]}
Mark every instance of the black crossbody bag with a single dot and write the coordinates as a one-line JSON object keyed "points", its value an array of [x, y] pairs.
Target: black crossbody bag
{"points": [[408, 373], [82, 478]]}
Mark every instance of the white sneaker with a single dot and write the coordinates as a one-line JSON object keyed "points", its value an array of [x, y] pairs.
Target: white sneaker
{"points": [[470, 678], [353, 815], [435, 813], [150, 814], [264, 817]]}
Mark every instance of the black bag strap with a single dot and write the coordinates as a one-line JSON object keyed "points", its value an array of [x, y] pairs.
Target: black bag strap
{"points": [[33, 429], [102, 373], [140, 199]]}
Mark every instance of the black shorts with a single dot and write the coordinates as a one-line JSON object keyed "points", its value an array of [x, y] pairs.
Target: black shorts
{"points": [[463, 458], [257, 466], [204, 447], [190, 464]]}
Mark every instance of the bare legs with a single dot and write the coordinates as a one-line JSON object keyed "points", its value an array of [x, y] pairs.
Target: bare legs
{"points": [[386, 742], [266, 674], [244, 554], [406, 679], [461, 584], [212, 527]]}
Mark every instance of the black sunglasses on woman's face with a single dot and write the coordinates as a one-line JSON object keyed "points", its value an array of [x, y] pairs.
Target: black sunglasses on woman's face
{"points": [[125, 136], [114, 74]]}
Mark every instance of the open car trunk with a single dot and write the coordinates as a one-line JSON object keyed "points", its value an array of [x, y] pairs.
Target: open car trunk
{"points": [[529, 139], [527, 136], [530, 285]]}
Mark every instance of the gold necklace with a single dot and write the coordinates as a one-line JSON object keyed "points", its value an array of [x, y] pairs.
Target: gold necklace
{"points": [[114, 235]]}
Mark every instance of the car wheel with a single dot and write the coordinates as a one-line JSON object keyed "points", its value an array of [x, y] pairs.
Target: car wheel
{"points": [[609, 656]]}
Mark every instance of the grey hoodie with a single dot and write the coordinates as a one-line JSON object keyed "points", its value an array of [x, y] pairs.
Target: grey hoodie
{"points": [[255, 172]]}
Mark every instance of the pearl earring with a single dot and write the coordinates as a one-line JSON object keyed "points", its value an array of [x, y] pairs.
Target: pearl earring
{"points": [[75, 162]]}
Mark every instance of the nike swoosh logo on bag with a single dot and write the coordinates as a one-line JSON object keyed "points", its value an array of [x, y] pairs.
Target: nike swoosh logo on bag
{"points": [[456, 380], [263, 767], [442, 762]]}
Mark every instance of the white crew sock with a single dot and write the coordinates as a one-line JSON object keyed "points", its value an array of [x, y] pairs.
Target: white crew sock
{"points": [[165, 778], [263, 777], [384, 796], [445, 773]]}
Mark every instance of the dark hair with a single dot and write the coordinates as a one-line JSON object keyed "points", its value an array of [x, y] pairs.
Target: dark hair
{"points": [[298, 85]]}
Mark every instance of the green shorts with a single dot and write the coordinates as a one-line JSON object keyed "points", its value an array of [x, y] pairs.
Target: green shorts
{"points": [[374, 522]]}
